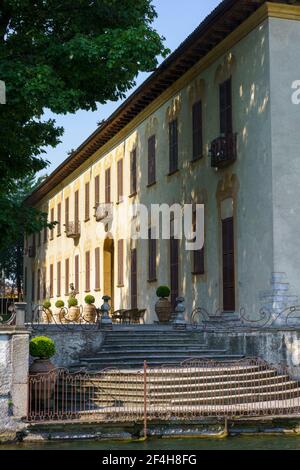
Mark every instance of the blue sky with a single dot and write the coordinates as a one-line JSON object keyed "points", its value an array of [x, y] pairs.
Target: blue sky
{"points": [[176, 20]]}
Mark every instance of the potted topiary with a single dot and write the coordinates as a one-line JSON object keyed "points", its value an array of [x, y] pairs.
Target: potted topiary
{"points": [[89, 311], [42, 349], [46, 312], [74, 310], [163, 306], [58, 312]]}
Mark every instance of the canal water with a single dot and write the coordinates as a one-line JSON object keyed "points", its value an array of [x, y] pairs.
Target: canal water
{"points": [[232, 443]]}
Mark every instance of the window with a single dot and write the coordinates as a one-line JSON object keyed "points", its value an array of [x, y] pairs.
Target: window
{"points": [[67, 276], [173, 146], [87, 202], [198, 255], [51, 280], [107, 186], [133, 182], [120, 180], [120, 262], [97, 268], [151, 160], [197, 131], [58, 280], [52, 220], [76, 207], [152, 243], [228, 265], [44, 283], [97, 191], [59, 220], [87, 272], [133, 278], [76, 283], [174, 266], [226, 107], [67, 211]]}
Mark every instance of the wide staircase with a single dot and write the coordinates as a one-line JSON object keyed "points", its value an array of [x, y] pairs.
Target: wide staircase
{"points": [[130, 347]]}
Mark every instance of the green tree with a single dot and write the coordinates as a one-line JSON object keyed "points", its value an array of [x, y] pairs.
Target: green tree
{"points": [[63, 55]]}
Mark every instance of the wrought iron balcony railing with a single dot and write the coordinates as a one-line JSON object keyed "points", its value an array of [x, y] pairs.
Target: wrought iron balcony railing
{"points": [[104, 212], [73, 229], [32, 251], [223, 150]]}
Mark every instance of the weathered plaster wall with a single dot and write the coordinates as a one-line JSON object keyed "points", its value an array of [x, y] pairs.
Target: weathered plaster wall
{"points": [[71, 342]]}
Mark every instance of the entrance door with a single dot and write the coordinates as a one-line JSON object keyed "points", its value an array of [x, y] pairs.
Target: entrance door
{"points": [[108, 259], [133, 278], [228, 265]]}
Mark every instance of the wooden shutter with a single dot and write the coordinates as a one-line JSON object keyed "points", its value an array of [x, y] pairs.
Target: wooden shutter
{"points": [[151, 160], [198, 255], [197, 130], [120, 262], [107, 186], [87, 202], [173, 145], [59, 219], [52, 220], [76, 284], [67, 276], [76, 207], [67, 211], [133, 277], [228, 265], [51, 280], [226, 107], [58, 279], [120, 180], [87, 272], [133, 182], [174, 266], [97, 268], [33, 286], [151, 256], [97, 190]]}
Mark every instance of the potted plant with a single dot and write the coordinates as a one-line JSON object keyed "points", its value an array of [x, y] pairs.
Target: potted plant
{"points": [[163, 306], [42, 349], [58, 312], [89, 311], [74, 310], [46, 312]]}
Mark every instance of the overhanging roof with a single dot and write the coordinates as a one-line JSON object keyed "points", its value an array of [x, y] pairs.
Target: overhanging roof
{"points": [[215, 28]]}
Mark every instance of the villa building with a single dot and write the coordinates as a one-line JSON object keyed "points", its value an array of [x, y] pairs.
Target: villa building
{"points": [[215, 124]]}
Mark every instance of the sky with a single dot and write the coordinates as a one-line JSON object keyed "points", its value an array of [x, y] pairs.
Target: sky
{"points": [[176, 20]]}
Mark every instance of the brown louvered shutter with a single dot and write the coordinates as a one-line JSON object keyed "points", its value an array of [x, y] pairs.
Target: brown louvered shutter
{"points": [[120, 262], [226, 107], [67, 276], [67, 211], [174, 266], [87, 202], [76, 284], [151, 160], [133, 182], [107, 186], [44, 283], [97, 191], [198, 255], [39, 284], [59, 219], [52, 220], [133, 278], [58, 280], [197, 130], [120, 180], [97, 268], [87, 272], [173, 146], [76, 207], [228, 265], [51, 280], [33, 286], [151, 256]]}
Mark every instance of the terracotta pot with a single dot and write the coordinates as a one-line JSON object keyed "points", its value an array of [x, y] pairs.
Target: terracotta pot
{"points": [[163, 310], [89, 313], [41, 366], [47, 315], [73, 314], [58, 314]]}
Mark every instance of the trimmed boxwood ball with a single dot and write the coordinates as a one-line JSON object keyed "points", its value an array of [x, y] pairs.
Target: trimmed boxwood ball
{"points": [[163, 292], [89, 299], [60, 304], [73, 302], [42, 347], [47, 304]]}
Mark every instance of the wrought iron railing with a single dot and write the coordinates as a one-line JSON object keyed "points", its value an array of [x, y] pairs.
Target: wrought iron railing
{"points": [[64, 317], [7, 311], [223, 150]]}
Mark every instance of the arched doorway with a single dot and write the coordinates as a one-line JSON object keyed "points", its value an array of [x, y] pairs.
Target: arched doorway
{"points": [[108, 259]]}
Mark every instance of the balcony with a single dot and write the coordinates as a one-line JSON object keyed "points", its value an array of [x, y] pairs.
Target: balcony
{"points": [[73, 229], [31, 251], [223, 151], [104, 212]]}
